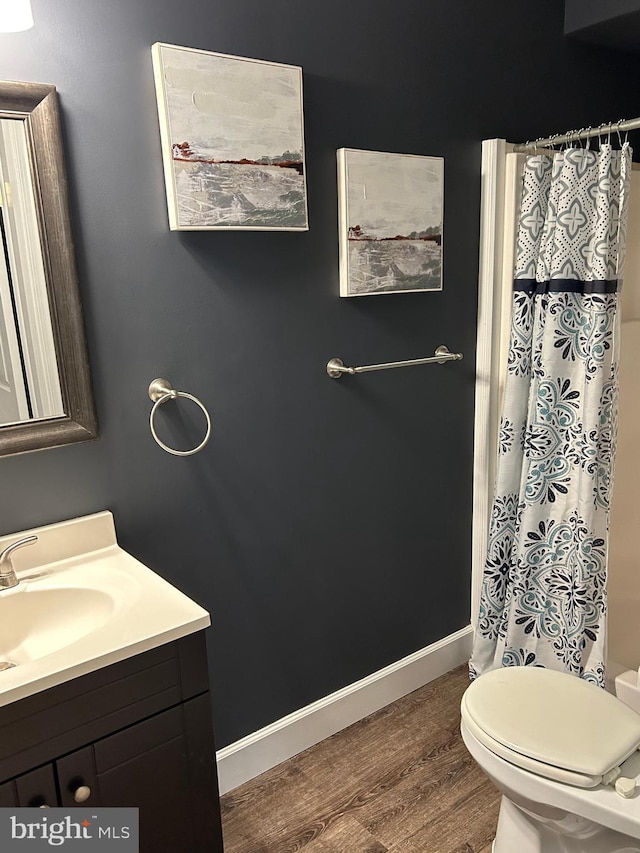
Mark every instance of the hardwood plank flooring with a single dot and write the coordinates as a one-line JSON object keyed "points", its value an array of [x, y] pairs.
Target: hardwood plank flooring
{"points": [[399, 781]]}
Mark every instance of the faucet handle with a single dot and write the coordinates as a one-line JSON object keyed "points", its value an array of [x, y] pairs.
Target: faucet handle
{"points": [[5, 555], [8, 577]]}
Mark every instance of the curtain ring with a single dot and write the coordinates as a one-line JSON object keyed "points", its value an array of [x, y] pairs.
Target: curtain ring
{"points": [[160, 390], [600, 132], [626, 137]]}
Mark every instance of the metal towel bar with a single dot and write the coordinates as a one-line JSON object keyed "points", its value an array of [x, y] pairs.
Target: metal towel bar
{"points": [[336, 367]]}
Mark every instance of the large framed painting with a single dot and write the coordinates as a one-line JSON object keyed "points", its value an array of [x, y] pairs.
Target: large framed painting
{"points": [[390, 209], [232, 135]]}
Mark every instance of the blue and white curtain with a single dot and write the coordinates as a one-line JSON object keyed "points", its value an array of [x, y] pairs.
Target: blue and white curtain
{"points": [[543, 599]]}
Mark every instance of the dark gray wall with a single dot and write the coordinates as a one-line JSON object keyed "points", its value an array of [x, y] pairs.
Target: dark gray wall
{"points": [[327, 526]]}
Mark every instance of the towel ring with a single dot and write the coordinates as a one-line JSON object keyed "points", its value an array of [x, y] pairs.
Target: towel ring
{"points": [[160, 390]]}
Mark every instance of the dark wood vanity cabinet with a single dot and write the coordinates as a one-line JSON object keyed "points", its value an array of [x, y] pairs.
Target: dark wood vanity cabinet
{"points": [[136, 733]]}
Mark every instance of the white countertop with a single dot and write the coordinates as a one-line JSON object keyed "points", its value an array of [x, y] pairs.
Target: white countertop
{"points": [[82, 603]]}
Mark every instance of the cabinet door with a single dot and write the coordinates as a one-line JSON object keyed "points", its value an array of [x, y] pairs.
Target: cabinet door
{"points": [[149, 766], [37, 788], [77, 778], [8, 795], [146, 766]]}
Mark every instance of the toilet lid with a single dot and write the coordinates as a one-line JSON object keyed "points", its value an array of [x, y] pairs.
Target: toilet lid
{"points": [[552, 721]]}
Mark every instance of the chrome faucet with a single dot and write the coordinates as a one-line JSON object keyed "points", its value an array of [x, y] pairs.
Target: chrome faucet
{"points": [[8, 578]]}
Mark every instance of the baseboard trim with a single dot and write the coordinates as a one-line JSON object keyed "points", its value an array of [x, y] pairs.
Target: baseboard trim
{"points": [[260, 751]]}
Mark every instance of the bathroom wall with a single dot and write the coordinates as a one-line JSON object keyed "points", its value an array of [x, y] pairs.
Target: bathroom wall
{"points": [[327, 525], [624, 577]]}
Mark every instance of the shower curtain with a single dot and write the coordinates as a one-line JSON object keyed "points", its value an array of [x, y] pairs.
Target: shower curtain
{"points": [[543, 600]]}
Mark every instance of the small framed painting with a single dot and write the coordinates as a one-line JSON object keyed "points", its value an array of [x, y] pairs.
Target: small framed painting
{"points": [[232, 140], [390, 210]]}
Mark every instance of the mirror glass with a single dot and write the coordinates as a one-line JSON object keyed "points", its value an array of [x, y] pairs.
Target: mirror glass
{"points": [[29, 380], [45, 391]]}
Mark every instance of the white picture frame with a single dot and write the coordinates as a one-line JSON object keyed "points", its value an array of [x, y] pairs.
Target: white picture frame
{"points": [[232, 137], [390, 212]]}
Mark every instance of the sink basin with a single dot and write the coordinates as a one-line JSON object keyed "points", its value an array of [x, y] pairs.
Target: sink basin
{"points": [[35, 623], [82, 603]]}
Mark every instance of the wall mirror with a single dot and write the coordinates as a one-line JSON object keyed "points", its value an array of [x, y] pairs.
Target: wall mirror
{"points": [[45, 386]]}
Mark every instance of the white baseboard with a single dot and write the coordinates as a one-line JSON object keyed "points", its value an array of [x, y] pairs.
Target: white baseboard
{"points": [[252, 755]]}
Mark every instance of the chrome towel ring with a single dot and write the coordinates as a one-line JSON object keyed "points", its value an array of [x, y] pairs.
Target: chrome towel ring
{"points": [[160, 390]]}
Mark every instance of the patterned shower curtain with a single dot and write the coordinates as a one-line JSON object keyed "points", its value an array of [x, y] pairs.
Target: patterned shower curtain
{"points": [[543, 599]]}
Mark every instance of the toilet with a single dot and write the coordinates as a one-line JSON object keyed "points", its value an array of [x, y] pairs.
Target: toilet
{"points": [[564, 755]]}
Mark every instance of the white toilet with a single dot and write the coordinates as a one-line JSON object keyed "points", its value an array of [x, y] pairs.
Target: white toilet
{"points": [[564, 755]]}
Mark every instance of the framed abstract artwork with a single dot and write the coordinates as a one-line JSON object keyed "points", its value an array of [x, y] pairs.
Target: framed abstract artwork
{"points": [[232, 136], [390, 209]]}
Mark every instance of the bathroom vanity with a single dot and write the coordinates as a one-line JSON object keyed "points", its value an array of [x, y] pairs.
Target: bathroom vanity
{"points": [[121, 715]]}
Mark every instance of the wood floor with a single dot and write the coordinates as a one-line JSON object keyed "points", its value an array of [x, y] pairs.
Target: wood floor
{"points": [[399, 781]]}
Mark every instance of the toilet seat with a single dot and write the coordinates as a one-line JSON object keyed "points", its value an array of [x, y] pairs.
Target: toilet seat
{"points": [[551, 723]]}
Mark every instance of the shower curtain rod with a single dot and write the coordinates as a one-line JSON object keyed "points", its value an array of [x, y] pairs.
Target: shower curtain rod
{"points": [[575, 135]]}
